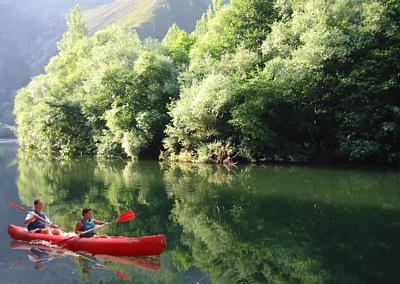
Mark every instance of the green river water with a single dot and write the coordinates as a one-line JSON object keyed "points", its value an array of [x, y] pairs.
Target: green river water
{"points": [[244, 224]]}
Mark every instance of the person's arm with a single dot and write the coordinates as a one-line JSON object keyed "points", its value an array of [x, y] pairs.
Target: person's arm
{"points": [[29, 218], [51, 225], [78, 227], [48, 223], [55, 226], [99, 222]]}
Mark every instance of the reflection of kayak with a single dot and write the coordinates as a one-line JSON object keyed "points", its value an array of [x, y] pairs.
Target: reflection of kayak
{"points": [[141, 261], [38, 252], [144, 246], [49, 250], [88, 262]]}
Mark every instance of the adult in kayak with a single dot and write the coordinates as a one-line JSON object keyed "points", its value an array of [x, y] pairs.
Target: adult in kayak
{"points": [[38, 222], [85, 226]]}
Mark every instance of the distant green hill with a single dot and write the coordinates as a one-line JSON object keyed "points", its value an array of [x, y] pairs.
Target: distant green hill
{"points": [[29, 31], [151, 18]]}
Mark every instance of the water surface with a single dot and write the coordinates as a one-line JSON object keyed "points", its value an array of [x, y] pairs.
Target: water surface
{"points": [[245, 224]]}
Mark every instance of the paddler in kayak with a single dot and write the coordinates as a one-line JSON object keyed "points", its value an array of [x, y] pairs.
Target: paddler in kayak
{"points": [[87, 224], [38, 222]]}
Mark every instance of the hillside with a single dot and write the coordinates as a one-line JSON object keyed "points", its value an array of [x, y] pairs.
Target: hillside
{"points": [[151, 18], [29, 31]]}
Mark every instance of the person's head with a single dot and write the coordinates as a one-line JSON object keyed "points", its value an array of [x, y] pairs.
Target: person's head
{"points": [[87, 269], [38, 204], [86, 212], [39, 265]]}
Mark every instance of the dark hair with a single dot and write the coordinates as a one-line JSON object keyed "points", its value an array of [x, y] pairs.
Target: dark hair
{"points": [[36, 202], [86, 210]]}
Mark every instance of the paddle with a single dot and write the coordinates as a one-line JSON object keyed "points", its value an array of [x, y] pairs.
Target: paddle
{"points": [[118, 273], [97, 265], [124, 217], [12, 262], [23, 209]]}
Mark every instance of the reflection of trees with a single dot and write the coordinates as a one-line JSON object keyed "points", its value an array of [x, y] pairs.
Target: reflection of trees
{"points": [[227, 233], [109, 187], [255, 224], [279, 224]]}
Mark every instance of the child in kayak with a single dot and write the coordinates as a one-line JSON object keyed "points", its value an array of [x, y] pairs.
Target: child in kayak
{"points": [[84, 226]]}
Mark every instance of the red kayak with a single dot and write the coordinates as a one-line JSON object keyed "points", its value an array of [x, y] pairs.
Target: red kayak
{"points": [[143, 246]]}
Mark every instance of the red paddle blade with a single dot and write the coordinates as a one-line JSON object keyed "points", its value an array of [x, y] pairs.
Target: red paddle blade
{"points": [[127, 216], [122, 275], [118, 273], [16, 261], [16, 206]]}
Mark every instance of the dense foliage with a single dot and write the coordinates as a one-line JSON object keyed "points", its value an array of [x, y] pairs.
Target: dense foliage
{"points": [[314, 80], [105, 94]]}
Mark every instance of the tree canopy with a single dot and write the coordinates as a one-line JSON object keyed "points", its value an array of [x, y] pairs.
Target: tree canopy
{"points": [[105, 94], [299, 81]]}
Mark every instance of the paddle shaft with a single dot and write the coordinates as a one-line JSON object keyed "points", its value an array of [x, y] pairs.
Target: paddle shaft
{"points": [[30, 212], [92, 229], [26, 260], [126, 216], [98, 265], [118, 273]]}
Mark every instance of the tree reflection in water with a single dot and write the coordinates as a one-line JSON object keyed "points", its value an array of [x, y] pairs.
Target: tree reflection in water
{"points": [[250, 223]]}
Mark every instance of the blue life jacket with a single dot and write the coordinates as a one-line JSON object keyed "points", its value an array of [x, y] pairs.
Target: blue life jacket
{"points": [[41, 254], [87, 226], [37, 223]]}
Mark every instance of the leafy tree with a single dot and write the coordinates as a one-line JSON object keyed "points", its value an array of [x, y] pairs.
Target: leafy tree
{"points": [[324, 59], [323, 88], [240, 22], [368, 115], [76, 30], [138, 114], [31, 121], [284, 80], [178, 43], [201, 126], [222, 58], [57, 121], [105, 94]]}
